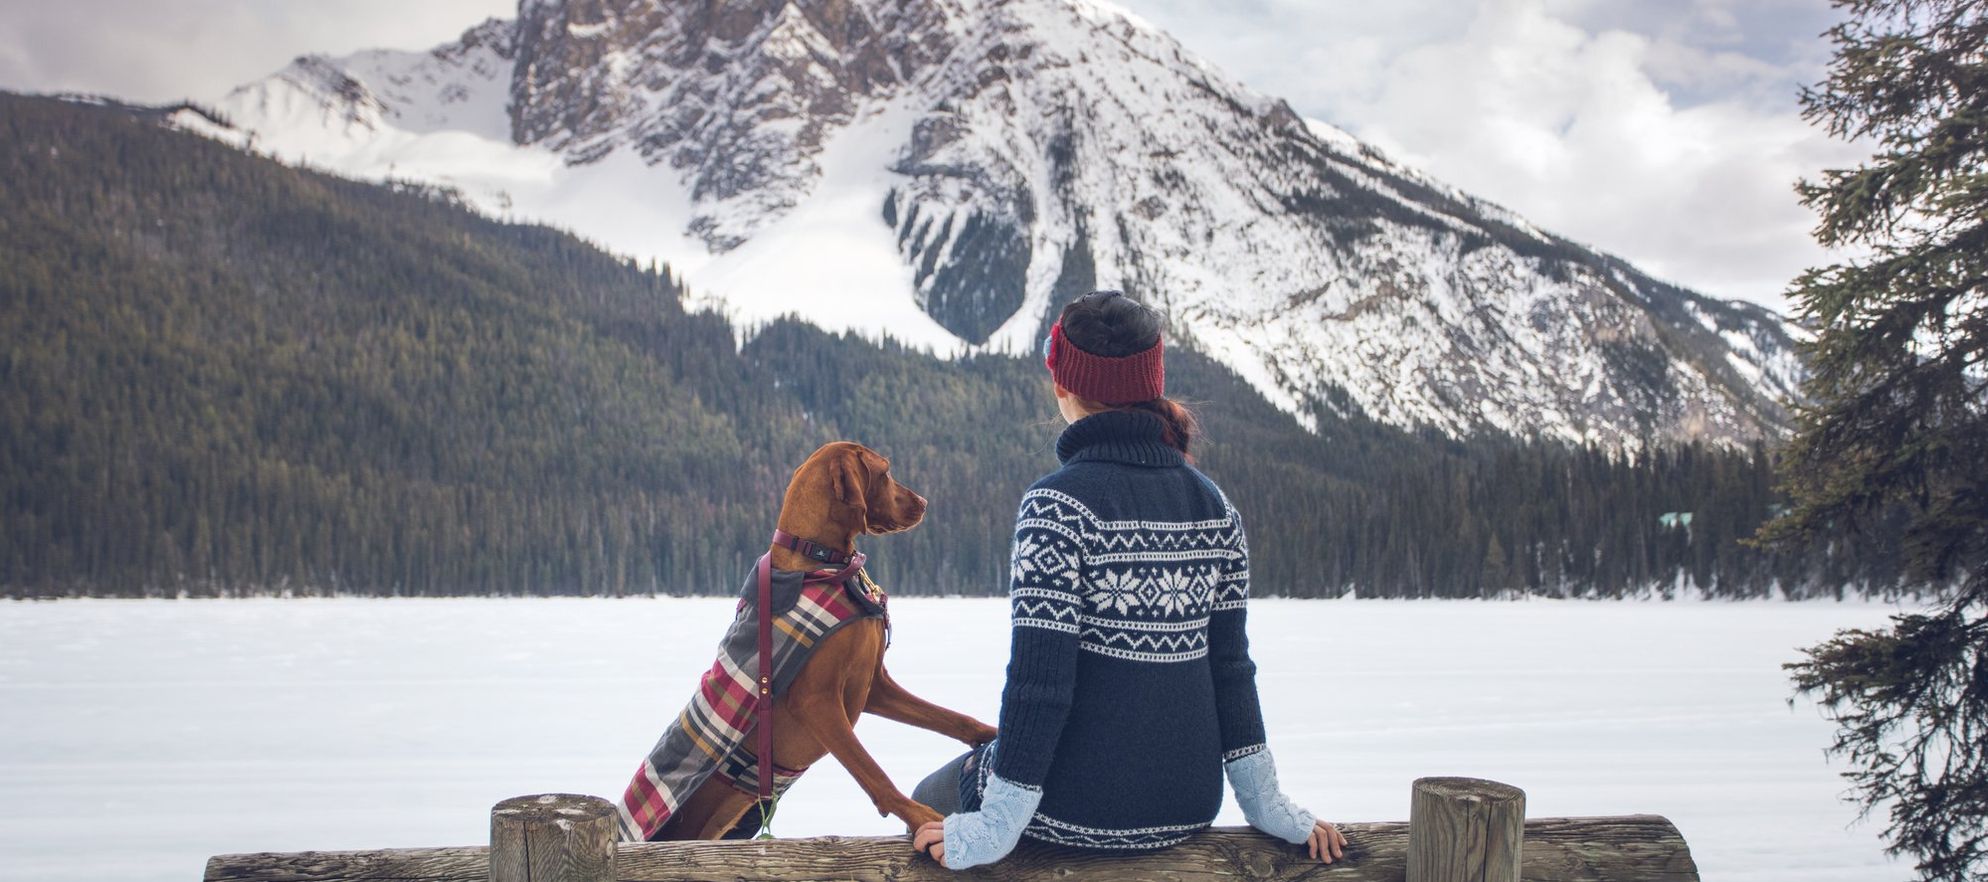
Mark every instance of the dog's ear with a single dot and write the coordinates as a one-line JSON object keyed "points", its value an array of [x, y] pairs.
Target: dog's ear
{"points": [[850, 478]]}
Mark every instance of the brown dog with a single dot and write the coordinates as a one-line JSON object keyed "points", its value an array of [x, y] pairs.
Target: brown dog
{"points": [[843, 491]]}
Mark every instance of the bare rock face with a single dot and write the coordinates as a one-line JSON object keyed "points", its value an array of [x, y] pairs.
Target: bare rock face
{"points": [[1018, 152], [739, 95]]}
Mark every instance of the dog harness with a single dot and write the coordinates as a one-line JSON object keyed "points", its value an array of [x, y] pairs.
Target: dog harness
{"points": [[758, 659], [815, 551]]}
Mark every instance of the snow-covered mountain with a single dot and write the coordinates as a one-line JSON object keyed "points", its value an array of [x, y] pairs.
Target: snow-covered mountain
{"points": [[943, 171]]}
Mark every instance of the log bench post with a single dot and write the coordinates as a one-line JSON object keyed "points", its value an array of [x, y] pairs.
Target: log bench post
{"points": [[556, 837], [1465, 830]]}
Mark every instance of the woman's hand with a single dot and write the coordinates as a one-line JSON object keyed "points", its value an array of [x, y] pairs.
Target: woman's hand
{"points": [[931, 839], [1325, 843]]}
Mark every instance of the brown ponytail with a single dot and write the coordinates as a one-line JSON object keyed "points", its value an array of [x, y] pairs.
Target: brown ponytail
{"points": [[1177, 423]]}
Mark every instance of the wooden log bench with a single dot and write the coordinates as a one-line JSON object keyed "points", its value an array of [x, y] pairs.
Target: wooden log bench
{"points": [[1458, 829]]}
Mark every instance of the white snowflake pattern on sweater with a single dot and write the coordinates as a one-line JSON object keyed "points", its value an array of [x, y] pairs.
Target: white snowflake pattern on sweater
{"points": [[1146, 588]]}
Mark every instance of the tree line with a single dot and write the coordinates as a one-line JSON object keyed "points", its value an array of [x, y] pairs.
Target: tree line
{"points": [[223, 376]]}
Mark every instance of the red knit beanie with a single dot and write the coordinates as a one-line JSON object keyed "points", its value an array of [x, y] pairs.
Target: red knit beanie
{"points": [[1141, 376]]}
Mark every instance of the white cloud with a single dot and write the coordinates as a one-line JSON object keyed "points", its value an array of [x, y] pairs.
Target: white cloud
{"points": [[1572, 129], [1666, 132], [152, 51]]}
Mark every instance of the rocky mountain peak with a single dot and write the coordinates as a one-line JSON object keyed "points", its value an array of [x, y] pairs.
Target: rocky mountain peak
{"points": [[946, 171], [739, 96]]}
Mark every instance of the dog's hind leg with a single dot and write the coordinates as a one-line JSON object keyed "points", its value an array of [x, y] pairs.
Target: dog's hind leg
{"points": [[713, 808], [893, 702], [728, 817]]}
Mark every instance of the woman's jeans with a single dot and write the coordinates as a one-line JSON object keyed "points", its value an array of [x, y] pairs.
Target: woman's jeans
{"points": [[940, 790]]}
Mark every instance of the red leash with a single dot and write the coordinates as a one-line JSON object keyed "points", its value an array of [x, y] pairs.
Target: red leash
{"points": [[762, 710]]}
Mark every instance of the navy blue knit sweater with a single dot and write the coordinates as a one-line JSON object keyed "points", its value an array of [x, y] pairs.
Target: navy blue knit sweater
{"points": [[1129, 679]]}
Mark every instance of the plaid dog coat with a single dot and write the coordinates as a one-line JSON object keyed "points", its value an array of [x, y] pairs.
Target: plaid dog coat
{"points": [[709, 736]]}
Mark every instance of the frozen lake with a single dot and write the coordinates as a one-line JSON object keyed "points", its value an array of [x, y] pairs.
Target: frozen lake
{"points": [[140, 737]]}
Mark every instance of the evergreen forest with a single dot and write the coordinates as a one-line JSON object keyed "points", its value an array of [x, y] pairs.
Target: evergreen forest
{"points": [[223, 376]]}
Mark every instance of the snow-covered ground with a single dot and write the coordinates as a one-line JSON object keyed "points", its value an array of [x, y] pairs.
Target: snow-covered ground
{"points": [[139, 737]]}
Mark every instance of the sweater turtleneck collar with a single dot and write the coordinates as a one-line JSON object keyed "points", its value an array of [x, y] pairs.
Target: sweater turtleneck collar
{"points": [[1127, 436]]}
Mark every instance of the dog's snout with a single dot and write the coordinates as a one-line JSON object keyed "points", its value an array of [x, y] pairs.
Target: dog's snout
{"points": [[903, 511]]}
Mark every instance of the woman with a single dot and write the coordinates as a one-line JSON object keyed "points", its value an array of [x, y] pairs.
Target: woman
{"points": [[1130, 689]]}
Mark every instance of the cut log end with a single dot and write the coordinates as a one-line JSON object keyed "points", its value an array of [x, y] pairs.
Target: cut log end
{"points": [[1471, 789], [549, 807], [1465, 830], [553, 837]]}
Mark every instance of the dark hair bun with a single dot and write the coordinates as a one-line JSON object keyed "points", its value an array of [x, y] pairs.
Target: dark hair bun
{"points": [[1110, 324]]}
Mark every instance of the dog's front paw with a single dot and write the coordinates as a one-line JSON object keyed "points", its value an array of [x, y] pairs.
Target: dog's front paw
{"points": [[979, 734], [916, 814]]}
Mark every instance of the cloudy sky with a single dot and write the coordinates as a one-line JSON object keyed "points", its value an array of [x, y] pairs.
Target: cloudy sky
{"points": [[1662, 130]]}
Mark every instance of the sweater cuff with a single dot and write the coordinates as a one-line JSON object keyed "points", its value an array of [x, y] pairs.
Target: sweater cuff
{"points": [[1253, 776], [986, 836]]}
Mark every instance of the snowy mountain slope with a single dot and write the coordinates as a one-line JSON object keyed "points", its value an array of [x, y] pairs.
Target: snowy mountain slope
{"points": [[942, 171]]}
